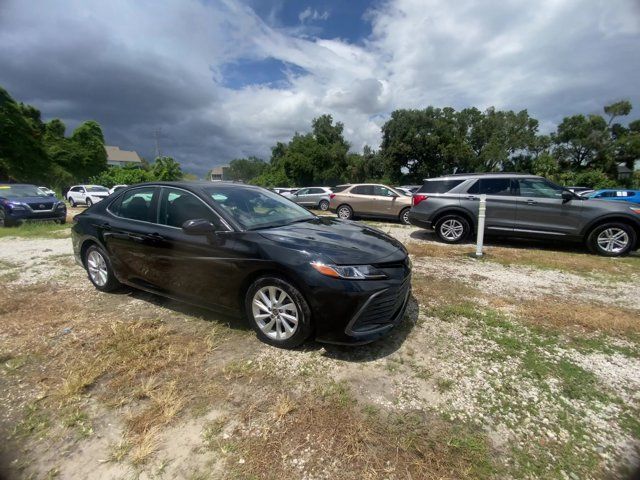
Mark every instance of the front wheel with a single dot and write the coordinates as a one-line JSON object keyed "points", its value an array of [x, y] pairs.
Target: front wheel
{"points": [[404, 216], [98, 266], [89, 202], [324, 205], [72, 202], [4, 222], [612, 239], [452, 228], [278, 312], [345, 212]]}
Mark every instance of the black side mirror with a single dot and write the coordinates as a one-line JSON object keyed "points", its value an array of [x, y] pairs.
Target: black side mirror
{"points": [[198, 226], [567, 196]]}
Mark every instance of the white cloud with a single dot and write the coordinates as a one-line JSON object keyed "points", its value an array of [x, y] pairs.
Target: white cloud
{"points": [[134, 71]]}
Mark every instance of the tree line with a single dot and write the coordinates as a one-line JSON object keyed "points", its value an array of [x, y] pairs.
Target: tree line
{"points": [[33, 151], [416, 144]]}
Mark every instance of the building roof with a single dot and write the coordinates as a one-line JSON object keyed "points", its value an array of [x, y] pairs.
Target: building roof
{"points": [[114, 154]]}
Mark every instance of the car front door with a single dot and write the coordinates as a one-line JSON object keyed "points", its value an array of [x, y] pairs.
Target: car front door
{"points": [[196, 268], [314, 195], [301, 197], [541, 209], [502, 202], [383, 201], [129, 235]]}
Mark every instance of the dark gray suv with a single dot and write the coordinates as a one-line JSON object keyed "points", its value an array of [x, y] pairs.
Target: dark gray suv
{"points": [[520, 205]]}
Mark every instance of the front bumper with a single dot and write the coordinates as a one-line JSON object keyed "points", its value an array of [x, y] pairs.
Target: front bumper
{"points": [[23, 215]]}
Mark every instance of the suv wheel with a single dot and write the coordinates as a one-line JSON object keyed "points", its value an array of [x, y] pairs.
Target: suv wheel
{"points": [[612, 239], [72, 202], [404, 216], [3, 220], [452, 228], [278, 312], [324, 205], [99, 269], [89, 202], [345, 212]]}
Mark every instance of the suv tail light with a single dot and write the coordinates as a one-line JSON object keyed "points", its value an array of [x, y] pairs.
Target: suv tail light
{"points": [[331, 195], [417, 198]]}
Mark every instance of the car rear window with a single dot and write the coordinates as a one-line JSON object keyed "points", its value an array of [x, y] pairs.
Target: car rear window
{"points": [[439, 186]]}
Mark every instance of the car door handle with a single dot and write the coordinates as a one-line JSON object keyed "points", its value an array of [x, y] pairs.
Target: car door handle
{"points": [[471, 197], [531, 202], [136, 238], [155, 236]]}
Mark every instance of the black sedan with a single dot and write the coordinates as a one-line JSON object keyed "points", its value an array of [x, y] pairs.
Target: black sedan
{"points": [[238, 248]]}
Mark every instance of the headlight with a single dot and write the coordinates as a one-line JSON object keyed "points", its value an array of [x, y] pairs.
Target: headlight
{"points": [[635, 210], [61, 205], [349, 272], [16, 206]]}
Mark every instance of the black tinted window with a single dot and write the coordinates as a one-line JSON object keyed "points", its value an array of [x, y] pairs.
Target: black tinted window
{"points": [[538, 187], [339, 188], [178, 206], [136, 204], [493, 186], [439, 186], [362, 190]]}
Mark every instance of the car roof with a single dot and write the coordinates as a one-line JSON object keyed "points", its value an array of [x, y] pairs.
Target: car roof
{"points": [[197, 184], [482, 175]]}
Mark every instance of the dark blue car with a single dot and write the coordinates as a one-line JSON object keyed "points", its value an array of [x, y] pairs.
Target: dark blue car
{"points": [[20, 202]]}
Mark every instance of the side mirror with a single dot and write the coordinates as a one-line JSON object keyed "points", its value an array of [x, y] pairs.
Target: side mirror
{"points": [[567, 196], [198, 226]]}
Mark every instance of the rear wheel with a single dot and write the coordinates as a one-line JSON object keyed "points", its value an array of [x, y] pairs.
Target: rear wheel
{"points": [[324, 205], [345, 212], [89, 202], [99, 269], [404, 216], [72, 202], [612, 239], [452, 228], [278, 312]]}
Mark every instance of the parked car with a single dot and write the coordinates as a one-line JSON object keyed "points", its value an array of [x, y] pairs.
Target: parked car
{"points": [[578, 190], [404, 191], [412, 188], [585, 193], [236, 247], [115, 188], [47, 191], [369, 200], [632, 196], [312, 197], [286, 192], [86, 194], [21, 202], [529, 206]]}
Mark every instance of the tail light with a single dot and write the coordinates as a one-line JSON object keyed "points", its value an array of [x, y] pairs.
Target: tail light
{"points": [[417, 198], [331, 195]]}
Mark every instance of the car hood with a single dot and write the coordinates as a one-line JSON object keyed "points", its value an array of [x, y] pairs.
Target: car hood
{"points": [[34, 199], [338, 241]]}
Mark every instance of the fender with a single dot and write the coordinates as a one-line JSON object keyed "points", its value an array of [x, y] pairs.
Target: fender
{"points": [[456, 209], [635, 221]]}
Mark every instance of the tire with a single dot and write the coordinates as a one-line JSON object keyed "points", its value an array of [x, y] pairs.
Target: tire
{"points": [[3, 220], [452, 228], [277, 328], [72, 202], [324, 205], [61, 221], [612, 239], [345, 212], [404, 216], [89, 202], [106, 280]]}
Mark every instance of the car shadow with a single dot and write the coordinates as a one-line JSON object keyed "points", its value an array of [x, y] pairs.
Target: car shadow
{"points": [[380, 348], [513, 242]]}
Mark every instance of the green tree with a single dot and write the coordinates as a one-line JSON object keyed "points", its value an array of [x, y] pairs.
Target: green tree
{"points": [[246, 169], [166, 169], [88, 142], [22, 154], [126, 175], [617, 109]]}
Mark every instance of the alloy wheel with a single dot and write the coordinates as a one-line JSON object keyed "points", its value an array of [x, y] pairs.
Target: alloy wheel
{"points": [[275, 313], [405, 217], [324, 205], [97, 267], [1, 218], [613, 240], [344, 213], [452, 229]]}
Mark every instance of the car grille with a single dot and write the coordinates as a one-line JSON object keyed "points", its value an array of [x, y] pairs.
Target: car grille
{"points": [[383, 309], [39, 206]]}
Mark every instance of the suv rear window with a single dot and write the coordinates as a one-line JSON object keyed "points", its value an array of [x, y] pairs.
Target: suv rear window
{"points": [[439, 186]]}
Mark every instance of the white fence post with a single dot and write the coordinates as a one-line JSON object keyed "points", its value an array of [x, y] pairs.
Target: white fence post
{"points": [[481, 215]]}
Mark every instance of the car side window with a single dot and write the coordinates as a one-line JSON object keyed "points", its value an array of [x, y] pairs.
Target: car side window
{"points": [[136, 204], [539, 188], [362, 190], [381, 191], [303, 191], [493, 186], [177, 206]]}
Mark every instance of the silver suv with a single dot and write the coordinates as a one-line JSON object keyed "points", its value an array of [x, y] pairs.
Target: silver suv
{"points": [[520, 205]]}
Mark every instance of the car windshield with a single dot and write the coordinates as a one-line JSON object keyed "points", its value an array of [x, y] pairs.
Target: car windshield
{"points": [[255, 209], [97, 189], [20, 191]]}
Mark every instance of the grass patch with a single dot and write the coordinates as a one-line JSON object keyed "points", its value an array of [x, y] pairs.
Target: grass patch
{"points": [[329, 436], [37, 230]]}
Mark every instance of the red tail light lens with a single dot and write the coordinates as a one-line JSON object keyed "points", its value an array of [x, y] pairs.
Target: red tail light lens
{"points": [[331, 195], [417, 198]]}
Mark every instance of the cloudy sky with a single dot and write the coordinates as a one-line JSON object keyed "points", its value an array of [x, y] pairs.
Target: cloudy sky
{"points": [[228, 78]]}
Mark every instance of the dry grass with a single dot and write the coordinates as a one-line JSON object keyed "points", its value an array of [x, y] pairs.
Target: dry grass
{"points": [[438, 250], [566, 314], [329, 436], [437, 290]]}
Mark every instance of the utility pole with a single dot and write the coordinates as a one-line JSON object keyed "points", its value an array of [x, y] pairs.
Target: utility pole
{"points": [[157, 133]]}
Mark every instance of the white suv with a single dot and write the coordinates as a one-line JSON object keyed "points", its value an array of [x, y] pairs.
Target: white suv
{"points": [[87, 194]]}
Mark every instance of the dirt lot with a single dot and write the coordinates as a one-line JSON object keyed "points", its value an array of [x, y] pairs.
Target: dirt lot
{"points": [[523, 364]]}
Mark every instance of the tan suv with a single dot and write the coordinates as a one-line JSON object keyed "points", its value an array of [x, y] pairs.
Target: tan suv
{"points": [[369, 200]]}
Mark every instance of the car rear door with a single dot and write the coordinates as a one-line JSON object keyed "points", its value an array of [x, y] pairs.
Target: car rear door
{"points": [[302, 197], [541, 209], [313, 196], [360, 199], [502, 202]]}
